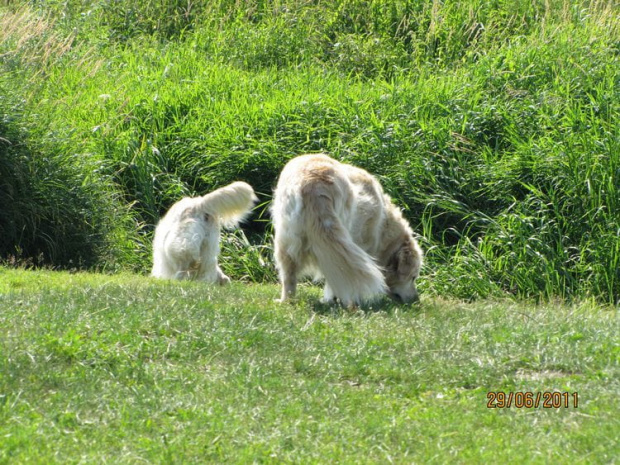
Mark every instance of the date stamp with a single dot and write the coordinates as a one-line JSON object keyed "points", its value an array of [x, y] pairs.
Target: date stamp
{"points": [[525, 399]]}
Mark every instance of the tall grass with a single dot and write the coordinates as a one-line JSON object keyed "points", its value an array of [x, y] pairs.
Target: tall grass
{"points": [[56, 207], [493, 124]]}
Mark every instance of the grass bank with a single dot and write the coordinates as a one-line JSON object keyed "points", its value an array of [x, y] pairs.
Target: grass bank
{"points": [[124, 369], [494, 125]]}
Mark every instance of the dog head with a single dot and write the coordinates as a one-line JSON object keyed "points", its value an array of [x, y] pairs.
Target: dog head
{"points": [[402, 270]]}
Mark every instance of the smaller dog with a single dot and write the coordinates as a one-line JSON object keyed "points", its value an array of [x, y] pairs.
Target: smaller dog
{"points": [[333, 220], [187, 239]]}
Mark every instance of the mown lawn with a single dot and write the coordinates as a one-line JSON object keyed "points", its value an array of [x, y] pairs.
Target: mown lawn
{"points": [[126, 369]]}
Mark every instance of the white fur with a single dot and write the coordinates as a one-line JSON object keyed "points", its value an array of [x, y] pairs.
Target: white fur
{"points": [[333, 220], [187, 239]]}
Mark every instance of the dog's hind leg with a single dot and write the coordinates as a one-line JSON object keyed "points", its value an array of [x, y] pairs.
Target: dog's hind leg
{"points": [[186, 270], [183, 274], [328, 295], [287, 268], [288, 278], [222, 279]]}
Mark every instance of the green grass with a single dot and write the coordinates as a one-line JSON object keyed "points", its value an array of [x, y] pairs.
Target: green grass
{"points": [[495, 125], [126, 369]]}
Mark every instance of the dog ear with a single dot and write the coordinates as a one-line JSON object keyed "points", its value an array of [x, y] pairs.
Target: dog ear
{"points": [[404, 261], [392, 264]]}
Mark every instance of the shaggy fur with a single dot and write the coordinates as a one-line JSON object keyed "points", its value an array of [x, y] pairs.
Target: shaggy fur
{"points": [[333, 220], [187, 239]]}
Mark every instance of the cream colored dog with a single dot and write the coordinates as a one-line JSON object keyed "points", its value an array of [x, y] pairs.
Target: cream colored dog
{"points": [[187, 239], [334, 220]]}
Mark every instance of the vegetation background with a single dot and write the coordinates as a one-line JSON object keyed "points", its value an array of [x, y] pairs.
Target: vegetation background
{"points": [[494, 124]]}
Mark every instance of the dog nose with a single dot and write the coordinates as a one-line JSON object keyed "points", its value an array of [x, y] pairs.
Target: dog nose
{"points": [[413, 299]]}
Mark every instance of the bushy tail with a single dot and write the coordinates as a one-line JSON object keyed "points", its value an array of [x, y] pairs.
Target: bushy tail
{"points": [[230, 203], [350, 272]]}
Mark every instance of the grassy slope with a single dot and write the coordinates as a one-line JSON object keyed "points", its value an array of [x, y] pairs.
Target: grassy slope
{"points": [[495, 125], [124, 369]]}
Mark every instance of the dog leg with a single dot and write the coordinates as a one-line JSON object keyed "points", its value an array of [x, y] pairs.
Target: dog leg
{"points": [[210, 272], [186, 271], [328, 295], [288, 278], [287, 267], [289, 286], [181, 275], [222, 279]]}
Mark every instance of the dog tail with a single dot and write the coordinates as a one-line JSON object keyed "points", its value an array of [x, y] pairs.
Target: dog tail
{"points": [[349, 271], [230, 203]]}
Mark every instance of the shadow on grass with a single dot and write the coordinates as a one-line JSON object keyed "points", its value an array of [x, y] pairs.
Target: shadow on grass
{"points": [[381, 305]]}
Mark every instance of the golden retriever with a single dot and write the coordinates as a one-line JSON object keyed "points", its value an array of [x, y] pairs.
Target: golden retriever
{"points": [[187, 239], [333, 220]]}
